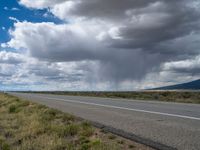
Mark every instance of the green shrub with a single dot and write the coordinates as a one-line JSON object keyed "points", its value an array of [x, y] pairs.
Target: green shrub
{"points": [[12, 109], [85, 146], [186, 95], [67, 118], [71, 130], [96, 142], [84, 139], [58, 129], [3, 145], [49, 114], [87, 129]]}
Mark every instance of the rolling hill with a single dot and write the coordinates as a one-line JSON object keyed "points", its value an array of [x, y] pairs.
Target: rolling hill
{"points": [[193, 85]]}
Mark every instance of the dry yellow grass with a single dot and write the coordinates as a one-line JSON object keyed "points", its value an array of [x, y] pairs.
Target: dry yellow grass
{"points": [[30, 126]]}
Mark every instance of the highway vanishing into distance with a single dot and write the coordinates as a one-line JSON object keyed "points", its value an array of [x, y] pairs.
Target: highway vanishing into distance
{"points": [[176, 126]]}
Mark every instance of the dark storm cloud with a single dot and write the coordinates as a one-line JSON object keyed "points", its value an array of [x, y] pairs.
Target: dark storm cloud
{"points": [[138, 36], [106, 9], [148, 25], [118, 65], [128, 65], [157, 25], [190, 71], [163, 30]]}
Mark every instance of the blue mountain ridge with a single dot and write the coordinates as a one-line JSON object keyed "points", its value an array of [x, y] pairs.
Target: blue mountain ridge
{"points": [[193, 85]]}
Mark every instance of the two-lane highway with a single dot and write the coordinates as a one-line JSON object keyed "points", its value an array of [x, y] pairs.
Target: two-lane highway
{"points": [[171, 124]]}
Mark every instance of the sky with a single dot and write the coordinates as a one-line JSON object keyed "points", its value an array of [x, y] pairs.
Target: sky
{"points": [[98, 45]]}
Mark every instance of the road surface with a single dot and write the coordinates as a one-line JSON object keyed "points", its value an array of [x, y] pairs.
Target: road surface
{"points": [[171, 124]]}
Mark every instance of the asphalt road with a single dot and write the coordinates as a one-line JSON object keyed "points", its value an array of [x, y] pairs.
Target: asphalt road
{"points": [[172, 124]]}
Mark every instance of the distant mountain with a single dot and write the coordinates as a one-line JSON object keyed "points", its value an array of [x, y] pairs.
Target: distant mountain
{"points": [[193, 85]]}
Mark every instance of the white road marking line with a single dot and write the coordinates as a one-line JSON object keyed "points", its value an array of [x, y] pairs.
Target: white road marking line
{"points": [[122, 108]]}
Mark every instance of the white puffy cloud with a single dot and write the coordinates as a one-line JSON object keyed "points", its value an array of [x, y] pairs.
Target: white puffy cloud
{"points": [[70, 42], [190, 66], [174, 72], [19, 71], [107, 44], [40, 4], [129, 24], [53, 42], [11, 58]]}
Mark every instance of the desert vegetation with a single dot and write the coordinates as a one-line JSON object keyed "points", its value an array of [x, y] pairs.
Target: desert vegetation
{"points": [[29, 126], [167, 96]]}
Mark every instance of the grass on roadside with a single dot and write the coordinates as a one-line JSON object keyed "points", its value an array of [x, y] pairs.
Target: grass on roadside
{"points": [[29, 126]]}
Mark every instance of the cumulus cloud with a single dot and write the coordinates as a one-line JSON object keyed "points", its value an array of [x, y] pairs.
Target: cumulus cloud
{"points": [[11, 58], [190, 66], [113, 42], [24, 72], [54, 42], [78, 45], [40, 4], [133, 24]]}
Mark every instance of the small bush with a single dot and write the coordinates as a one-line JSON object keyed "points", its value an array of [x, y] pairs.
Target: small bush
{"points": [[49, 114], [67, 118], [131, 146], [58, 129], [71, 130], [3, 145], [17, 99], [186, 95], [12, 109], [85, 146], [96, 142], [87, 129], [84, 139]]}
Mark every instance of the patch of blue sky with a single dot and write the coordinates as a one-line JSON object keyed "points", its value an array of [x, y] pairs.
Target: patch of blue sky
{"points": [[11, 8]]}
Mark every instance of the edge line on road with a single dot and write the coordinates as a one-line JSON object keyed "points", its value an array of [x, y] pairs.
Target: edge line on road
{"points": [[122, 108]]}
